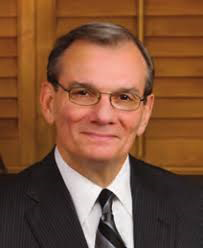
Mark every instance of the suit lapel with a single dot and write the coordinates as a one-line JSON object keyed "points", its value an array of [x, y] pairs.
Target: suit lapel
{"points": [[52, 216], [154, 220]]}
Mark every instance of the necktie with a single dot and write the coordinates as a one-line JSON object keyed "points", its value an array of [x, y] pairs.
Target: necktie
{"points": [[107, 234]]}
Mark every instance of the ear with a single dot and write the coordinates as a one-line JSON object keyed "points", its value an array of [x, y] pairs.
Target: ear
{"points": [[47, 100], [147, 110]]}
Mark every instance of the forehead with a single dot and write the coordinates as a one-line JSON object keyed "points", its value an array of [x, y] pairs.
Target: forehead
{"points": [[106, 67]]}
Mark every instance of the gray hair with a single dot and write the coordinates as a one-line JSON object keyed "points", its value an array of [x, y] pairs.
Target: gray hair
{"points": [[104, 34]]}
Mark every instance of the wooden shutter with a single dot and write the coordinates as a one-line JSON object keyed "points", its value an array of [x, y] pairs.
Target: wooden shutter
{"points": [[174, 36]]}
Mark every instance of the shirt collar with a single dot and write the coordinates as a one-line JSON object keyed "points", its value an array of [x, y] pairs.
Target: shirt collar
{"points": [[84, 192], [121, 186]]}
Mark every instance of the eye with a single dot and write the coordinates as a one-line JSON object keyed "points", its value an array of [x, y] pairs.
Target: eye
{"points": [[80, 92], [125, 97]]}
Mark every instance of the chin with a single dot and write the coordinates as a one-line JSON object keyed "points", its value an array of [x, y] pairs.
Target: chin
{"points": [[101, 156]]}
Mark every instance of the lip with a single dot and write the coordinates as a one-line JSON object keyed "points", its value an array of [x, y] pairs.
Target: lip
{"points": [[100, 136]]}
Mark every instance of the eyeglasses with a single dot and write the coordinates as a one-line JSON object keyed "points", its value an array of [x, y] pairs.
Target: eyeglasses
{"points": [[87, 96]]}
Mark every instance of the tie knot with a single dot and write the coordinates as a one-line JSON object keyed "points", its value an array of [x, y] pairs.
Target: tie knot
{"points": [[104, 197]]}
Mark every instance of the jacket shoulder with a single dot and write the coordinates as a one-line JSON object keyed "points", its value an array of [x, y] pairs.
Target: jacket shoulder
{"points": [[168, 184]]}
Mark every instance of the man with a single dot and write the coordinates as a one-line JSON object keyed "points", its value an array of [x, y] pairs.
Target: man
{"points": [[99, 97]]}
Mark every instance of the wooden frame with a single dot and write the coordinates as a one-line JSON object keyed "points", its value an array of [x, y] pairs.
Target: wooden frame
{"points": [[139, 142], [26, 80], [45, 36]]}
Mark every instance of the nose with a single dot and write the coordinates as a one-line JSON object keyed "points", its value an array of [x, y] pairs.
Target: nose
{"points": [[103, 112]]}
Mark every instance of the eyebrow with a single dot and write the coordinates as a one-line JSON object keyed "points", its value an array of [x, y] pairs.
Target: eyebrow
{"points": [[130, 90], [81, 84], [91, 86]]}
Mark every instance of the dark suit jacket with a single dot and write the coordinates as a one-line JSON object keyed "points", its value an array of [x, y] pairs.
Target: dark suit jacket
{"points": [[36, 210]]}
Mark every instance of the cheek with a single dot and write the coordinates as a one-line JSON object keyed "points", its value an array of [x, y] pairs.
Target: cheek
{"points": [[69, 117], [132, 124]]}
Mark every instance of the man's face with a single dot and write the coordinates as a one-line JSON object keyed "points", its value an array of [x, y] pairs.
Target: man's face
{"points": [[99, 132]]}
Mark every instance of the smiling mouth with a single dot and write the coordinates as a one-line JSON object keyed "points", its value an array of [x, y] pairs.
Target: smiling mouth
{"points": [[99, 136]]}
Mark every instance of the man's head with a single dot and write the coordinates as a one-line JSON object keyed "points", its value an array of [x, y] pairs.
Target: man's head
{"points": [[98, 93], [102, 34]]}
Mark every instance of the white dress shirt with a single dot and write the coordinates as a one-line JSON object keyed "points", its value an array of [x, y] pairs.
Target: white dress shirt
{"points": [[85, 193]]}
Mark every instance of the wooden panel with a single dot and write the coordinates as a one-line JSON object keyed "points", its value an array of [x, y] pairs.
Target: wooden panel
{"points": [[179, 67], [175, 152], [96, 8], [46, 28], [27, 80], [65, 24], [173, 7], [8, 47], [8, 8], [166, 128], [8, 108], [175, 47], [191, 170], [10, 152], [174, 26], [174, 36], [8, 27], [178, 87], [9, 128], [8, 67], [8, 88], [178, 108]]}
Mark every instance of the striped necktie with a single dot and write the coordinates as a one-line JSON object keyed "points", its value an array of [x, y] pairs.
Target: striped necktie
{"points": [[107, 234]]}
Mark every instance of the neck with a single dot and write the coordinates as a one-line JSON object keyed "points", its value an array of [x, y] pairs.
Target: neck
{"points": [[101, 172]]}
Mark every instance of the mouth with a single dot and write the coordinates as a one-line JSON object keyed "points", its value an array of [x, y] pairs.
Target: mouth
{"points": [[100, 136]]}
